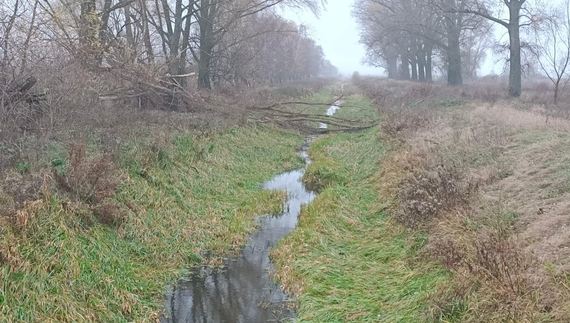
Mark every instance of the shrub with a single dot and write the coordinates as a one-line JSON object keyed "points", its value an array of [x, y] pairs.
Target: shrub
{"points": [[421, 90], [88, 179], [397, 125], [91, 180], [428, 194]]}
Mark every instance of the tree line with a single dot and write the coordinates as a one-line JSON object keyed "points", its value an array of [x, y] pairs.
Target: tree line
{"points": [[411, 38], [221, 42]]}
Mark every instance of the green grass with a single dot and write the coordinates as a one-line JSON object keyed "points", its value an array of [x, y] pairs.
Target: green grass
{"points": [[193, 193], [322, 100], [357, 107], [347, 261], [354, 106]]}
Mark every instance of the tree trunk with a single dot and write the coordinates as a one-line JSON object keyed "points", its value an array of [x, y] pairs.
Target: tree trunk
{"points": [[130, 35], [90, 47], [414, 59], [185, 45], [429, 53], [454, 77], [392, 62], [26, 45], [421, 65], [414, 63], [204, 75], [146, 32], [405, 67], [208, 13], [515, 72], [556, 91]]}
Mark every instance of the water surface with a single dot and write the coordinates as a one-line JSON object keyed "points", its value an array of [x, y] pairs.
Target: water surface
{"points": [[243, 291], [330, 112]]}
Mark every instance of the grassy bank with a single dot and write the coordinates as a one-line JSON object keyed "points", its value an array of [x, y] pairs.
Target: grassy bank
{"points": [[454, 209], [485, 179], [347, 260], [179, 195]]}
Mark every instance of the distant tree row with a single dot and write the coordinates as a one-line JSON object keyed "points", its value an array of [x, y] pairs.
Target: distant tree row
{"points": [[222, 41], [409, 38]]}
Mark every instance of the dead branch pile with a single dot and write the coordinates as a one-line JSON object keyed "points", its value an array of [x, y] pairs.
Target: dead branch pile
{"points": [[151, 89]]}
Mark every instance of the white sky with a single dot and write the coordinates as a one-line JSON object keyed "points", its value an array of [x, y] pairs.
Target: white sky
{"points": [[337, 32]]}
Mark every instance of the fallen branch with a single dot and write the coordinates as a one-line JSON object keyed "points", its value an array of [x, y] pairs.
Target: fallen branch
{"points": [[274, 105], [299, 119]]}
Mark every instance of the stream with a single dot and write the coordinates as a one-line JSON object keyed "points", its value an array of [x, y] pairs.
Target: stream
{"points": [[243, 290]]}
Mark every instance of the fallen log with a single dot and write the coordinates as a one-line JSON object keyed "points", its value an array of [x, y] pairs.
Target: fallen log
{"points": [[20, 92]]}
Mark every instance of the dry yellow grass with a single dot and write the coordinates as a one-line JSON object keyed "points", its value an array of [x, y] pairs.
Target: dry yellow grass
{"points": [[518, 119], [509, 246]]}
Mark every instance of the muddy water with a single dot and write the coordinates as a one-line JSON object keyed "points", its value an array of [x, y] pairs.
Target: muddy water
{"points": [[243, 291]]}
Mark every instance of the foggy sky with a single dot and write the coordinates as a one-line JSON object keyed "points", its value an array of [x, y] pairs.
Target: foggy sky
{"points": [[337, 32]]}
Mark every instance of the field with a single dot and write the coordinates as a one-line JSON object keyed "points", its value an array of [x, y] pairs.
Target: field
{"points": [[452, 210], [436, 204]]}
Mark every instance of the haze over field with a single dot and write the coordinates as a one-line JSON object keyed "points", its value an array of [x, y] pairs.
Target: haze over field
{"points": [[336, 30]]}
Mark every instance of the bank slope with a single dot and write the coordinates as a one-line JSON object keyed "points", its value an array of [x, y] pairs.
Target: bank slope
{"points": [[347, 261]]}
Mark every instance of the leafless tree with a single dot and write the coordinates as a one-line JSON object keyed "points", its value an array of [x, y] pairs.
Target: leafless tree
{"points": [[157, 46], [216, 17], [521, 14], [552, 46], [409, 30]]}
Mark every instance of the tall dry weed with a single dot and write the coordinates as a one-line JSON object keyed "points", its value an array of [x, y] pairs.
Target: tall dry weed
{"points": [[92, 180], [431, 193]]}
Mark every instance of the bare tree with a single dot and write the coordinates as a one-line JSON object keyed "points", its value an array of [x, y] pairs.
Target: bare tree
{"points": [[520, 15], [87, 37], [552, 46], [165, 41], [216, 17], [409, 30], [9, 13]]}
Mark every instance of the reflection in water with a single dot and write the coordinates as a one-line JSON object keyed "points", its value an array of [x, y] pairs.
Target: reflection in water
{"points": [[243, 291]]}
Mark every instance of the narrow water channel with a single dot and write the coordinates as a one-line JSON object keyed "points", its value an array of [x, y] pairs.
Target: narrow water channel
{"points": [[243, 291], [330, 112]]}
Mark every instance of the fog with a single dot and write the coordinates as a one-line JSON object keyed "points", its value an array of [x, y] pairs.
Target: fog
{"points": [[337, 32]]}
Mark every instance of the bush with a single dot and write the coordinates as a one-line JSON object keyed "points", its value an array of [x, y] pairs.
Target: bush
{"points": [[428, 194], [88, 179], [397, 125], [91, 180]]}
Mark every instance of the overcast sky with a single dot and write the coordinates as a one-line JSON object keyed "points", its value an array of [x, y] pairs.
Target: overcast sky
{"points": [[336, 31]]}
